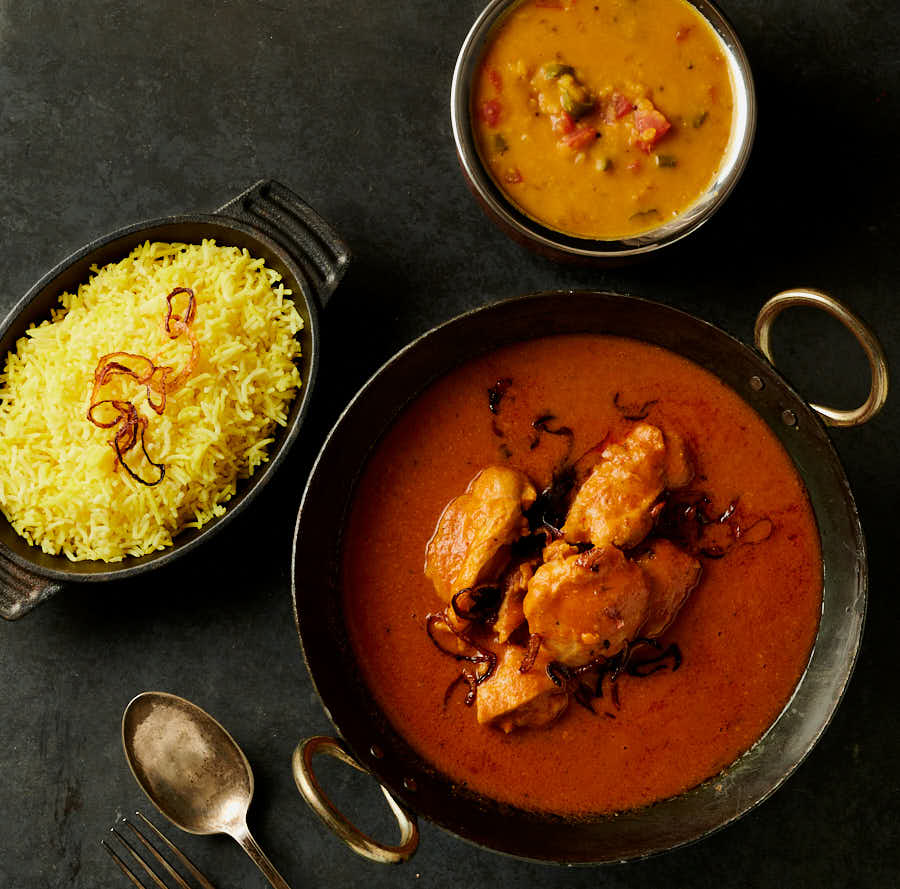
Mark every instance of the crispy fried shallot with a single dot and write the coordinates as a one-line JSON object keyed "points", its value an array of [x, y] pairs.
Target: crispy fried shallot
{"points": [[157, 379], [484, 660], [477, 603], [573, 679], [683, 517], [496, 393], [531, 653], [539, 424], [633, 412]]}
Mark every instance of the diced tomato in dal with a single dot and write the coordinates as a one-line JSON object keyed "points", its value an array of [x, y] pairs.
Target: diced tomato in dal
{"points": [[562, 123], [651, 125], [580, 138], [620, 106], [490, 112]]}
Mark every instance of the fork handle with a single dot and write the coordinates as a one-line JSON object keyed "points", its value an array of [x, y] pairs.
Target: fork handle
{"points": [[258, 857]]}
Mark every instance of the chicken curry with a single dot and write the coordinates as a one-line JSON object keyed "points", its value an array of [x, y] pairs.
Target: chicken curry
{"points": [[603, 119], [622, 574]]}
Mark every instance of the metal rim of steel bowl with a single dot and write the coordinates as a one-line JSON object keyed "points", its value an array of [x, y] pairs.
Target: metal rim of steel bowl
{"points": [[560, 246]]}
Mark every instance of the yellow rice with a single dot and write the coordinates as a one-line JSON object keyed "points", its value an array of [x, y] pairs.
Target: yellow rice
{"points": [[58, 485]]}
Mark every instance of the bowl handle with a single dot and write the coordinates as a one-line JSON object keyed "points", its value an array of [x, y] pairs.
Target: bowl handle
{"points": [[287, 219], [21, 590], [864, 336], [312, 792]]}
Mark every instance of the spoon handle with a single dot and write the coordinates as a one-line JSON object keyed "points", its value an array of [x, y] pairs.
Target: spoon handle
{"points": [[250, 846]]}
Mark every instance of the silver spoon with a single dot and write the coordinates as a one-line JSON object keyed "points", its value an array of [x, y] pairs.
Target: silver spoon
{"points": [[192, 770]]}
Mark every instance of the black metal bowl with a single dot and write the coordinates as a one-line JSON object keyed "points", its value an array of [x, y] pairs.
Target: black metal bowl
{"points": [[370, 742], [272, 223]]}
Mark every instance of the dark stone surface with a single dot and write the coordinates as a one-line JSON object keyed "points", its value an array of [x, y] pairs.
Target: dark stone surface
{"points": [[111, 112]]}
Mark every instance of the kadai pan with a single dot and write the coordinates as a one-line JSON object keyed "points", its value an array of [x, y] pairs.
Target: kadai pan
{"points": [[369, 742]]}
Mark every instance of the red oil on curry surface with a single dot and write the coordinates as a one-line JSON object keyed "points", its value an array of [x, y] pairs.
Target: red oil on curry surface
{"points": [[746, 632]]}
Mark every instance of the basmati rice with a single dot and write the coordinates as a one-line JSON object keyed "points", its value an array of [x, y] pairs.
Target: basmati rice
{"points": [[59, 487]]}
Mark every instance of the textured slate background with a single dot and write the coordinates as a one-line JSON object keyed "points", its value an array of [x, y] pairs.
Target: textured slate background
{"points": [[112, 112]]}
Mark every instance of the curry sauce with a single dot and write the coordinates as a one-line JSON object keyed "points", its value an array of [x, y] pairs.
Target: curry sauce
{"points": [[603, 119], [745, 634]]}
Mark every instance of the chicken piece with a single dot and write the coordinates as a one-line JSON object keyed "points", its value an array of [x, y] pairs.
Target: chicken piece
{"points": [[586, 605], [513, 587], [471, 542], [511, 700], [671, 576], [558, 549], [613, 505], [679, 463]]}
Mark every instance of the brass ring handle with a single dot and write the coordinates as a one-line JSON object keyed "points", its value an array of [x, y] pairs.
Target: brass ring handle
{"points": [[864, 336], [312, 792]]}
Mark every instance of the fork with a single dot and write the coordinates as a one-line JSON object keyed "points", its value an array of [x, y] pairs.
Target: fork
{"points": [[161, 862]]}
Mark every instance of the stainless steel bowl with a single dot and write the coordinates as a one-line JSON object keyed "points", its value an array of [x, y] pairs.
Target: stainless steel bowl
{"points": [[557, 245]]}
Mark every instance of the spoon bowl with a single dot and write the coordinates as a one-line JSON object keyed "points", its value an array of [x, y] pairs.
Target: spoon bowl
{"points": [[192, 770]]}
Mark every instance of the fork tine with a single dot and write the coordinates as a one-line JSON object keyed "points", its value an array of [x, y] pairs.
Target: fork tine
{"points": [[156, 880], [189, 865], [123, 867], [165, 864]]}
